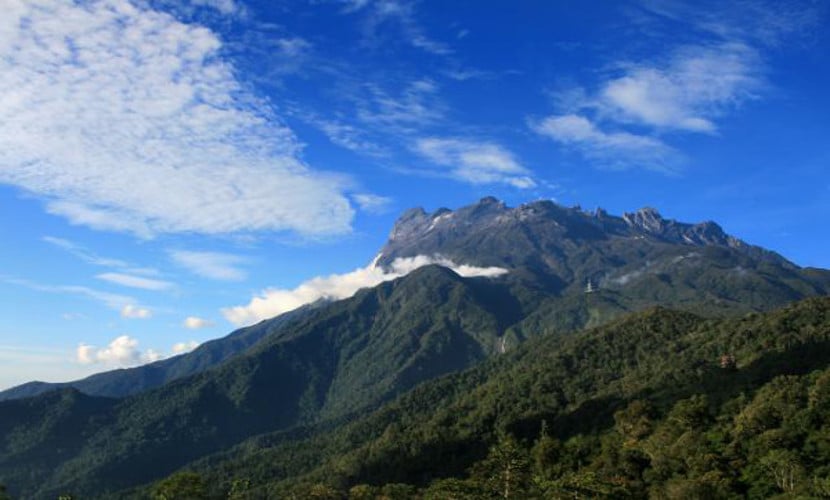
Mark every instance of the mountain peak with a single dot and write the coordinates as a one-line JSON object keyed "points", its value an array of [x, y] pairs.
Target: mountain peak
{"points": [[544, 234], [646, 218], [490, 200]]}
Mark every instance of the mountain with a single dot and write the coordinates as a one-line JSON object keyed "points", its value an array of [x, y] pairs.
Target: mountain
{"points": [[660, 403], [128, 381], [569, 247], [491, 232], [630, 262], [336, 360], [303, 375], [552, 252]]}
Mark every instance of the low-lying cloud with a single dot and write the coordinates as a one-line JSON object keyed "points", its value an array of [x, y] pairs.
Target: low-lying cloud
{"points": [[132, 311], [183, 347], [196, 323], [275, 301], [121, 351], [124, 352]]}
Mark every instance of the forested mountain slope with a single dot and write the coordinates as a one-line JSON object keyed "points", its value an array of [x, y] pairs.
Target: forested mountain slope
{"points": [[661, 404], [342, 358], [299, 390]]}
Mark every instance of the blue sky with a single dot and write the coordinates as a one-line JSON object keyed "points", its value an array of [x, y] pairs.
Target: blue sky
{"points": [[172, 170]]}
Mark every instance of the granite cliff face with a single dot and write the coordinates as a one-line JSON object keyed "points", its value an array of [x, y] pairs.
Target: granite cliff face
{"points": [[490, 221], [567, 247]]}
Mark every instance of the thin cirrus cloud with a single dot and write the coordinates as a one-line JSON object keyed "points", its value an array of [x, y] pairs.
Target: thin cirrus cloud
{"points": [[766, 22], [135, 281], [83, 253], [476, 162], [372, 203], [213, 265], [111, 300], [274, 301], [226, 7], [401, 15], [122, 118], [617, 125], [91, 257], [404, 110]]}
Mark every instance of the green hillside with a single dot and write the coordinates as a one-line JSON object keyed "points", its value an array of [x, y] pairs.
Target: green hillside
{"points": [[646, 406], [308, 399]]}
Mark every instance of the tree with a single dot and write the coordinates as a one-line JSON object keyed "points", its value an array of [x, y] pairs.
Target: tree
{"points": [[454, 489], [4, 495], [505, 471], [240, 489], [181, 486], [785, 468], [362, 492], [634, 422]]}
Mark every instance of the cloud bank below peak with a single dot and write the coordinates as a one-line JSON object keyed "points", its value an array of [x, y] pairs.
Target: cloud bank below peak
{"points": [[124, 119], [275, 301]]}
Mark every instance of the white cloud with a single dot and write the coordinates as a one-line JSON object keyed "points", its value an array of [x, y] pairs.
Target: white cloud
{"points": [[86, 354], [195, 323], [612, 149], [475, 162], [131, 311], [273, 302], [416, 104], [20, 364], [226, 7], [214, 265], [401, 14], [183, 347], [121, 351], [111, 300], [768, 22], [135, 281], [83, 254], [344, 135], [123, 118], [372, 203], [687, 94], [151, 355], [90, 257], [293, 47]]}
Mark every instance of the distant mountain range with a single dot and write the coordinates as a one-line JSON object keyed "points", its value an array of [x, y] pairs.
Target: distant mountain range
{"points": [[316, 368]]}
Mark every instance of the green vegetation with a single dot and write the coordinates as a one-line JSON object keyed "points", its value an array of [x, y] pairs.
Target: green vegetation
{"points": [[309, 408], [661, 404], [645, 407]]}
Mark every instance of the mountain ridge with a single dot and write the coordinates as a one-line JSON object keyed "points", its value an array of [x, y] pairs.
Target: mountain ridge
{"points": [[636, 259], [490, 213], [353, 355]]}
